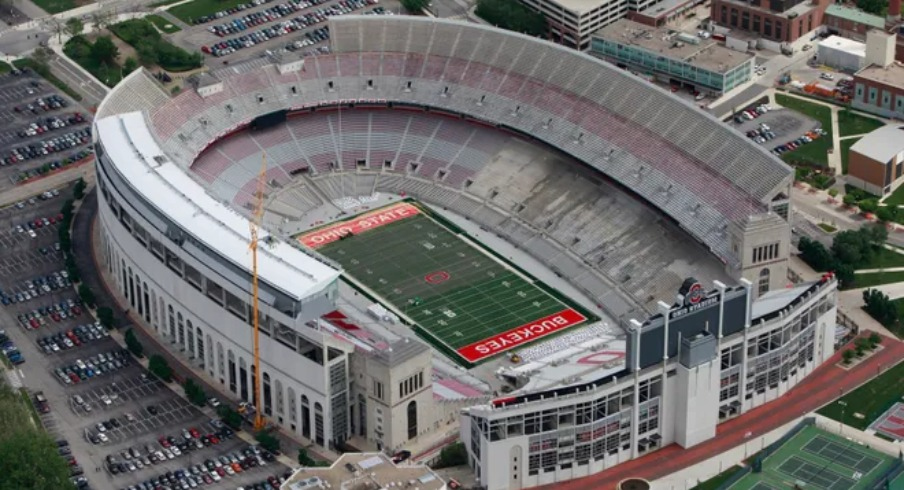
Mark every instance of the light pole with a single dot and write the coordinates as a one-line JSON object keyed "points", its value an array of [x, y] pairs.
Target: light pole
{"points": [[841, 423]]}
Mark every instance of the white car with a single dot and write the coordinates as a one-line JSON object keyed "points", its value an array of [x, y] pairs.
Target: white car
{"points": [[826, 76], [103, 438], [32, 234]]}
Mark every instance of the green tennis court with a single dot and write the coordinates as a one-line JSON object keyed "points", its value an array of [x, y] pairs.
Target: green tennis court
{"points": [[817, 460], [461, 295]]}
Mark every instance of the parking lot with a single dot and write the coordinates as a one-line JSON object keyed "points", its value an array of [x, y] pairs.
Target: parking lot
{"points": [[297, 25], [785, 126], [41, 128]]}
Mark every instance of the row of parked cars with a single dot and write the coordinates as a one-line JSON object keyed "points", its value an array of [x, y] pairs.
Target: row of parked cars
{"points": [[42, 104], [761, 134], [72, 338], [96, 365], [227, 12], [258, 18], [46, 124], [65, 452], [751, 113], [10, 350], [37, 318], [803, 140], [47, 147], [39, 286], [211, 471]]}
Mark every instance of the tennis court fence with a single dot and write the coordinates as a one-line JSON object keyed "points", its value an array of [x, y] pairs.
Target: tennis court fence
{"points": [[768, 450]]}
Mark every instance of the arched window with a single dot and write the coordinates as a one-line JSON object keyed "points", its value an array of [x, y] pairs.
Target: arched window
{"points": [[154, 317], [172, 323], [191, 338], [279, 398], [763, 286], [268, 395], [232, 373], [221, 365], [293, 405], [243, 379], [412, 419], [181, 323]]}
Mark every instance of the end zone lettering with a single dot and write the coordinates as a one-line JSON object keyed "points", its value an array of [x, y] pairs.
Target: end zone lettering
{"points": [[521, 335], [365, 222]]}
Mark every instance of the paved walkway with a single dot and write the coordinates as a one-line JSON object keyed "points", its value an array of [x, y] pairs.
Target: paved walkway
{"points": [[835, 156], [821, 387], [86, 248], [54, 181]]}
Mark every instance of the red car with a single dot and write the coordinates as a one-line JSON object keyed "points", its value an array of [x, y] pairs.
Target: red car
{"points": [[75, 311], [221, 471], [34, 323], [213, 439], [163, 442], [194, 433], [74, 377]]}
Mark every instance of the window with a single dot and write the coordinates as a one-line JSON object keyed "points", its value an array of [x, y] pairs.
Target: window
{"points": [[412, 419], [763, 285], [378, 389]]}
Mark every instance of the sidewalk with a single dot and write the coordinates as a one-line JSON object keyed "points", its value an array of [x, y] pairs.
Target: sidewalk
{"points": [[86, 247]]}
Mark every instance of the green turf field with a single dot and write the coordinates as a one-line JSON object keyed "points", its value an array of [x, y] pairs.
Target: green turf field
{"points": [[456, 292], [821, 461]]}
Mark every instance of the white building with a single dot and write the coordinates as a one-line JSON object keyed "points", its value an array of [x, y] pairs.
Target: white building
{"points": [[841, 53], [724, 355]]}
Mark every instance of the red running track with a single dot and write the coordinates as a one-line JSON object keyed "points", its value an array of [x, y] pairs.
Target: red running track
{"points": [[822, 386]]}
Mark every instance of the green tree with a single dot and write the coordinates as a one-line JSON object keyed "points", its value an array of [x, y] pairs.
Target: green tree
{"points": [[876, 7], [27, 454], [194, 392], [267, 441], [833, 192], [845, 274], [815, 254], [849, 200], [875, 338], [67, 209], [105, 317], [78, 191], [415, 6], [130, 65], [880, 307], [869, 205], [85, 293], [133, 344], [104, 50], [511, 15], [230, 417], [847, 355], [452, 455], [74, 26], [886, 214], [158, 366], [42, 55], [304, 459], [147, 55]]}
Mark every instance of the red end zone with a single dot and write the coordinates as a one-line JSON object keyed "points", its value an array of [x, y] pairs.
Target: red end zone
{"points": [[521, 335], [362, 223]]}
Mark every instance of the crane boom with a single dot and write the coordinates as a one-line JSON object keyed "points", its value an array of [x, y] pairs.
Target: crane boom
{"points": [[254, 224]]}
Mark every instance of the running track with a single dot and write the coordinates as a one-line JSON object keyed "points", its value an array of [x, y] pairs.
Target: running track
{"points": [[822, 386]]}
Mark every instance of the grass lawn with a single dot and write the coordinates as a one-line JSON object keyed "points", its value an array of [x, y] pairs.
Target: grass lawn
{"points": [[163, 3], [4, 67], [877, 279], [884, 258], [456, 292], [827, 228], [850, 123], [55, 6], [163, 24], [845, 149], [815, 152], [896, 198], [715, 482], [45, 72], [198, 8], [871, 399]]}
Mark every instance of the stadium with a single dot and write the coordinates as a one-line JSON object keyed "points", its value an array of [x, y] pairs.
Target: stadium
{"points": [[459, 222]]}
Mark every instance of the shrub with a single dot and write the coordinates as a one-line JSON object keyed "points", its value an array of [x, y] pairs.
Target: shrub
{"points": [[85, 293], [152, 48], [133, 344], [267, 441], [105, 317], [158, 366], [452, 455], [194, 392], [230, 417], [847, 355]]}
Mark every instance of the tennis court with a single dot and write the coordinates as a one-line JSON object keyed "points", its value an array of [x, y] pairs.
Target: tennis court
{"points": [[463, 297], [817, 460]]}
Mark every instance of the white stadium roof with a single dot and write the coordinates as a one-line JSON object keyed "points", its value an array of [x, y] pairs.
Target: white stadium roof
{"points": [[133, 152]]}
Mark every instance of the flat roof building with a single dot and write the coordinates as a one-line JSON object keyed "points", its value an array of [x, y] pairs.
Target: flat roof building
{"points": [[877, 160], [850, 22], [842, 53], [779, 21], [672, 56], [360, 471]]}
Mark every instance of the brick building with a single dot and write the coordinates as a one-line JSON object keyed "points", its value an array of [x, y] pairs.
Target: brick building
{"points": [[777, 20], [876, 161], [879, 88], [850, 22]]}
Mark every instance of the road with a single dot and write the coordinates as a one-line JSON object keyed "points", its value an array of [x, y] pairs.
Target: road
{"points": [[92, 91], [821, 387]]}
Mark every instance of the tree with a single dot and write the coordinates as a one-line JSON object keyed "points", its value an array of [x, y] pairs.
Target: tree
{"points": [[133, 344], [130, 65], [845, 274], [267, 441], [815, 254], [78, 191], [158, 366], [880, 307], [85, 293], [875, 338], [885, 214], [104, 51], [511, 15], [42, 55], [869, 205], [847, 355], [194, 392], [833, 192], [304, 459], [105, 317], [147, 55], [849, 200], [29, 455], [452, 455], [876, 7], [415, 6], [230, 417], [100, 19], [56, 27], [74, 26]]}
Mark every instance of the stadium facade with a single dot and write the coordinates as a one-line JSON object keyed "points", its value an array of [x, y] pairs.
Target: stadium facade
{"points": [[175, 239]]}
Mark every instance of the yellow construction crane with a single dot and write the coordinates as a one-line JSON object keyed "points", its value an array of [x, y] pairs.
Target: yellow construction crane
{"points": [[255, 224]]}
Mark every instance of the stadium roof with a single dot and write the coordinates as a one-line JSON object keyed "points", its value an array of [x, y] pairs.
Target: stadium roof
{"points": [[882, 144], [855, 15], [134, 153]]}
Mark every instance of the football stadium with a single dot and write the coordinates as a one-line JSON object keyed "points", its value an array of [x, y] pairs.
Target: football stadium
{"points": [[464, 229]]}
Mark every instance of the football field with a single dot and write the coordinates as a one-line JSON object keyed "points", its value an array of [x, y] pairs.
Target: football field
{"points": [[457, 293]]}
